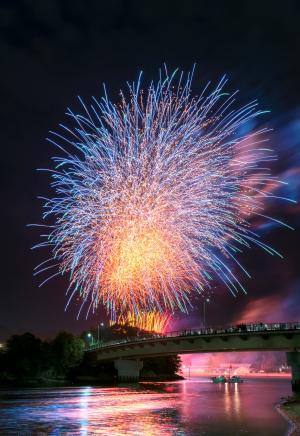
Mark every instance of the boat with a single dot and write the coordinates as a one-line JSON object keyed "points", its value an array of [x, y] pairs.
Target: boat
{"points": [[219, 379], [224, 379], [227, 379], [235, 379]]}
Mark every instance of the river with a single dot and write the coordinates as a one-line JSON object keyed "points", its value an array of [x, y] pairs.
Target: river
{"points": [[185, 408]]}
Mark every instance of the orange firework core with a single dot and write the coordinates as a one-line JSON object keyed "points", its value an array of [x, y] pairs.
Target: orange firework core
{"points": [[142, 256], [138, 254]]}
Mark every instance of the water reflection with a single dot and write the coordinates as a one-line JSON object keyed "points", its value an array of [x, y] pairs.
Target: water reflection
{"points": [[236, 397], [232, 400], [180, 408]]}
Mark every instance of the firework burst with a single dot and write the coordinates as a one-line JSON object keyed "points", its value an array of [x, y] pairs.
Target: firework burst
{"points": [[149, 321], [154, 200]]}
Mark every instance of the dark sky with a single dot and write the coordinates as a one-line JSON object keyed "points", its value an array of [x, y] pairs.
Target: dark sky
{"points": [[51, 51]]}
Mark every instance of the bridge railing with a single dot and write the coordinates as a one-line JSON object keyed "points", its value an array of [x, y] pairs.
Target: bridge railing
{"points": [[240, 328]]}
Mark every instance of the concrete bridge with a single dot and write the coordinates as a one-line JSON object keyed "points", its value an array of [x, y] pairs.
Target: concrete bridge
{"points": [[128, 353]]}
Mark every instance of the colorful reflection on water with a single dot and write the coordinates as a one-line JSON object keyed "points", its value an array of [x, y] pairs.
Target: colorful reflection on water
{"points": [[192, 407]]}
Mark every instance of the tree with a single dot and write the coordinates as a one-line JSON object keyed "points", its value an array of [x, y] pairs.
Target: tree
{"points": [[162, 365], [67, 352], [23, 356]]}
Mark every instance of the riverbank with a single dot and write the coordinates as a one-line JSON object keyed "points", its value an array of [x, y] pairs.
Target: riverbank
{"points": [[80, 381], [289, 408]]}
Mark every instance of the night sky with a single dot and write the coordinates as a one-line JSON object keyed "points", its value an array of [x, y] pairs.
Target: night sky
{"points": [[52, 51]]}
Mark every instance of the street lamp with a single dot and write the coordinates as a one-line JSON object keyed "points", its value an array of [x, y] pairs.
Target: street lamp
{"points": [[188, 366], [206, 300], [90, 336], [99, 335]]}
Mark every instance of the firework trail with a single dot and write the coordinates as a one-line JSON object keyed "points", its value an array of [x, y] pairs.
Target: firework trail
{"points": [[149, 321], [153, 196]]}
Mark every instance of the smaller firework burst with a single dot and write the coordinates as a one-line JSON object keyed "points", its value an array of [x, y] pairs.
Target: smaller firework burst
{"points": [[150, 321]]}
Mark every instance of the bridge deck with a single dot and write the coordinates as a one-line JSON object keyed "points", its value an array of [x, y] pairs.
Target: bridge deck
{"points": [[244, 337]]}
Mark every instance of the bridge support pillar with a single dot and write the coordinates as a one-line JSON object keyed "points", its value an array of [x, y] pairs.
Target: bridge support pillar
{"points": [[128, 370], [293, 360]]}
